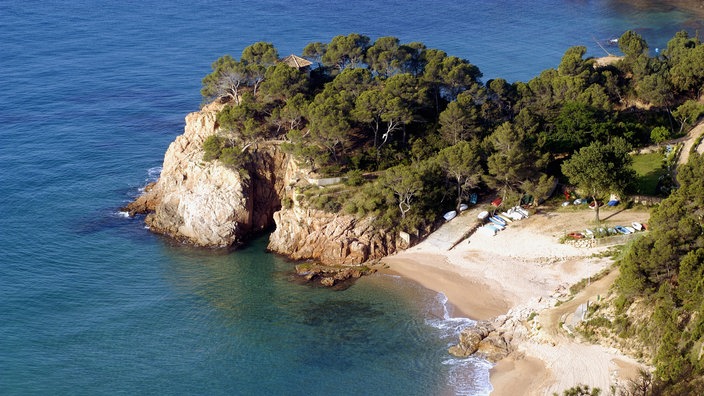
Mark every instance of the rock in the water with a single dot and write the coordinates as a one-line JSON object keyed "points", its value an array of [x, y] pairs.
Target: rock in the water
{"points": [[494, 347], [327, 281], [331, 275], [470, 339], [205, 203]]}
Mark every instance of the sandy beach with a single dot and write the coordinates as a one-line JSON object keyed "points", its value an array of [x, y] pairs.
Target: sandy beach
{"points": [[525, 269]]}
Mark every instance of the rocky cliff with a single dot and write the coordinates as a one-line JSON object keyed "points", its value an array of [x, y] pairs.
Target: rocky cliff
{"points": [[208, 204], [205, 203], [331, 238]]}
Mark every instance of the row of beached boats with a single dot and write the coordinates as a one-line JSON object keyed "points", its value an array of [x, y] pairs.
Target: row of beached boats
{"points": [[498, 221], [608, 231], [453, 213]]}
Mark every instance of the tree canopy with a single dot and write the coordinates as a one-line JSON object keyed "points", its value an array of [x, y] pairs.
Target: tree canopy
{"points": [[418, 130], [370, 105], [599, 169]]}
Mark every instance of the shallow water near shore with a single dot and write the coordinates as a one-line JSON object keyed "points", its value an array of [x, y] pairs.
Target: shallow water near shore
{"points": [[92, 303]]}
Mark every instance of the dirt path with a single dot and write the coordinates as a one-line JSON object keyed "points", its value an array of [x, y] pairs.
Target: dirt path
{"points": [[520, 270], [569, 360], [689, 140], [551, 320]]}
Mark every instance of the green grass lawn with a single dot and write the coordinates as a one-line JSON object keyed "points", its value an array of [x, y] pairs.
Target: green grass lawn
{"points": [[648, 168]]}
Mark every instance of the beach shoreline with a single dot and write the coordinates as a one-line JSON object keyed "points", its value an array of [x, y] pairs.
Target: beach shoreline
{"points": [[504, 278]]}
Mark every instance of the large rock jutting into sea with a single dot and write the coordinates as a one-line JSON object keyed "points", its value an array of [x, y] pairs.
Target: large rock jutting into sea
{"points": [[207, 204]]}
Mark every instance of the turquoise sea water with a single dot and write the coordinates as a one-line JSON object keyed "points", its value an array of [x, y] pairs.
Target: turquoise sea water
{"points": [[92, 93]]}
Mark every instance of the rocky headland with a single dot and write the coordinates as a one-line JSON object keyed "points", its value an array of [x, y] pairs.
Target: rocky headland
{"points": [[207, 204]]}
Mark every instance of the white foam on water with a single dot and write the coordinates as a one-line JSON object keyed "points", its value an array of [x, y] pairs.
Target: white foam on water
{"points": [[122, 214], [153, 174], [449, 326], [468, 376]]}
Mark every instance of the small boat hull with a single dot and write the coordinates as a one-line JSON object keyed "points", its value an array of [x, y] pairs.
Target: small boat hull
{"points": [[505, 218], [521, 211], [450, 215], [515, 216], [497, 227], [622, 230], [498, 221], [488, 230]]}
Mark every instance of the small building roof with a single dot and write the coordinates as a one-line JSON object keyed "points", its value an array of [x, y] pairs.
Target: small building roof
{"points": [[296, 61]]}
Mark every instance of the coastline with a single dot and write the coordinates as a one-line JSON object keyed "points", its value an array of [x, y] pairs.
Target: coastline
{"points": [[460, 291], [524, 269]]}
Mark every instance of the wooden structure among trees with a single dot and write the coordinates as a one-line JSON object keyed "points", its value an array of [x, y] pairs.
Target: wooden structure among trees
{"points": [[296, 62]]}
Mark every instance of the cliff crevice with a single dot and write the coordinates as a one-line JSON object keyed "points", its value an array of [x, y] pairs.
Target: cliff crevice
{"points": [[207, 204]]}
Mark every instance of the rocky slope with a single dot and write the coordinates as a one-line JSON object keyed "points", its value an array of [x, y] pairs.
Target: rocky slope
{"points": [[330, 238], [207, 204], [204, 203]]}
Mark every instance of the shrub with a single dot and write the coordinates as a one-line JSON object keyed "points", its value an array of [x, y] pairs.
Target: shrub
{"points": [[212, 145], [354, 178], [286, 203], [232, 157], [660, 134]]}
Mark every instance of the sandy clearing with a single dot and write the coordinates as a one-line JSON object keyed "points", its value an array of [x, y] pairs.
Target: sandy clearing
{"points": [[523, 269]]}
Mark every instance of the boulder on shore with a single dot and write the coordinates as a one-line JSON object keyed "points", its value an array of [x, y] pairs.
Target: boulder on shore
{"points": [[331, 275]]}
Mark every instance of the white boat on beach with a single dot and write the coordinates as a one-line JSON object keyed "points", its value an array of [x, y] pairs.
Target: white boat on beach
{"points": [[488, 230], [497, 227], [498, 221], [637, 226], [483, 215], [450, 215], [515, 216], [521, 211], [505, 218]]}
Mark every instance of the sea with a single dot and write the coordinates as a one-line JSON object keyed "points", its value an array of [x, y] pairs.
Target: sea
{"points": [[91, 302]]}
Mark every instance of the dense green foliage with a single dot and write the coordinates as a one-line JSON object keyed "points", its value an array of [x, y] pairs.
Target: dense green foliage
{"points": [[666, 267], [416, 131], [580, 390], [420, 118], [598, 169], [218, 148]]}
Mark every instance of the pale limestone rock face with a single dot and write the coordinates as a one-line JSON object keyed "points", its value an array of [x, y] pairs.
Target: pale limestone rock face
{"points": [[202, 203], [207, 204], [209, 208]]}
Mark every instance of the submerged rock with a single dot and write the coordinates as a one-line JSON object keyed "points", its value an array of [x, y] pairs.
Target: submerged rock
{"points": [[330, 276]]}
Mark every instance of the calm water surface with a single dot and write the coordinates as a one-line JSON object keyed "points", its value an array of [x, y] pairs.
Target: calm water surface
{"points": [[92, 303]]}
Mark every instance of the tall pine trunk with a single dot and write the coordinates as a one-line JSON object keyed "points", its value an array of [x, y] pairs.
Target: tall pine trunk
{"points": [[596, 208]]}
